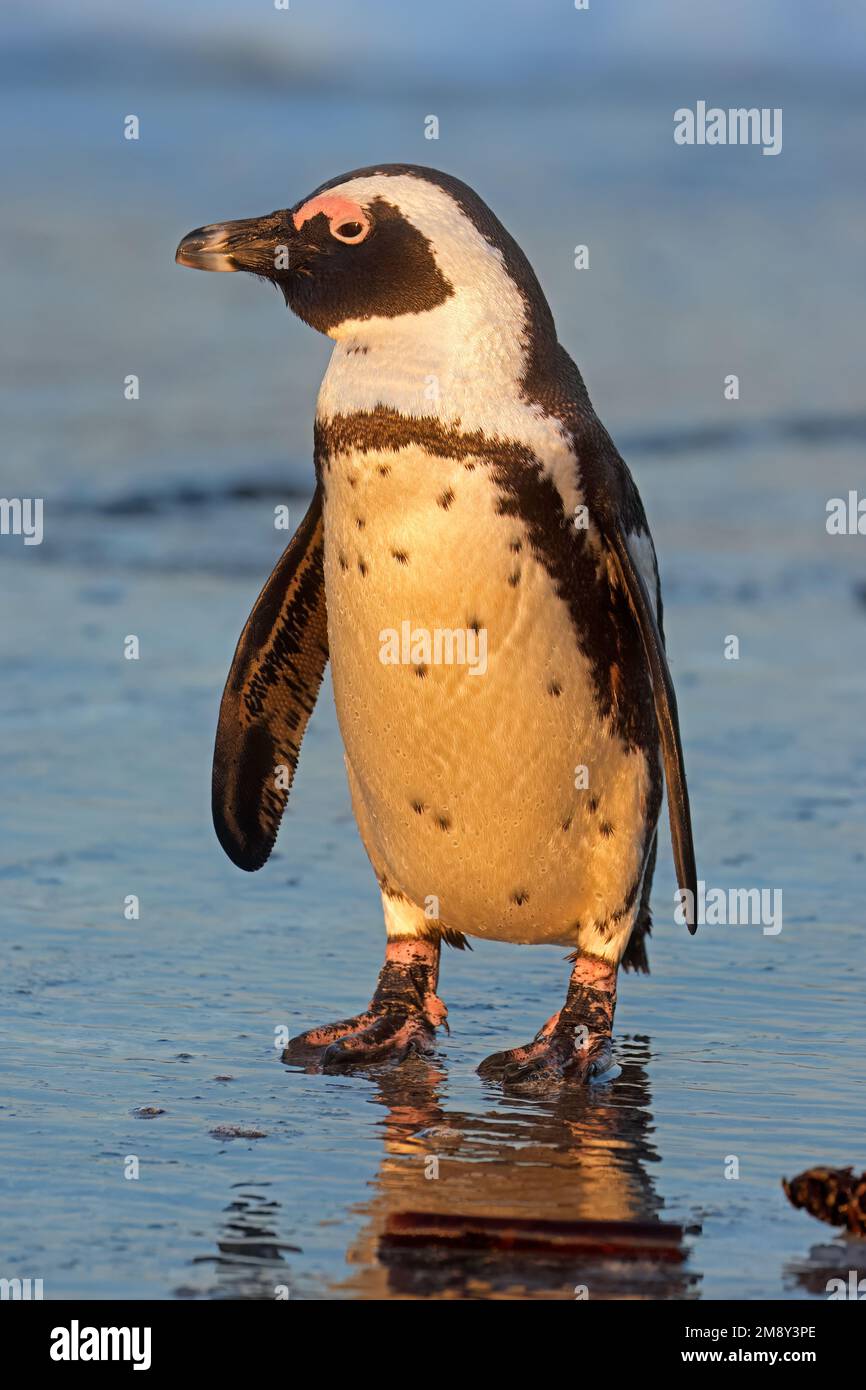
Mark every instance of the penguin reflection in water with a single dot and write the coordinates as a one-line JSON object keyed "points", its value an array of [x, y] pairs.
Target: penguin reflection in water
{"points": [[464, 484]]}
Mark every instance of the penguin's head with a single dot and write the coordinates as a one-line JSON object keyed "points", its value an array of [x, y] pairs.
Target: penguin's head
{"points": [[377, 245]]}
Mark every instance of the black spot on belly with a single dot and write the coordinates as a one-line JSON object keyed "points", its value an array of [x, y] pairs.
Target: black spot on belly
{"points": [[606, 829], [445, 499], [593, 804], [514, 579], [516, 547], [519, 897], [474, 625], [362, 568], [554, 688], [566, 824], [384, 470], [470, 465], [443, 822], [400, 556], [417, 807], [421, 672], [353, 482], [360, 523], [344, 563]]}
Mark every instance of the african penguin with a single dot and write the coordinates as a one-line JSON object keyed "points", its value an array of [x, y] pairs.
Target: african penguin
{"points": [[477, 564]]}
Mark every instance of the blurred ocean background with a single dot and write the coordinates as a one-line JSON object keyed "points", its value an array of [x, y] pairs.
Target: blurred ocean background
{"points": [[159, 522]]}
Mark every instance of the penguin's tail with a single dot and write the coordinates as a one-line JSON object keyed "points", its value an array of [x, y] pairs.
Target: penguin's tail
{"points": [[635, 957]]}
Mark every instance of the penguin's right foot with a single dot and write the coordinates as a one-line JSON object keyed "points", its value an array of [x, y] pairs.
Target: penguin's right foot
{"points": [[402, 1018]]}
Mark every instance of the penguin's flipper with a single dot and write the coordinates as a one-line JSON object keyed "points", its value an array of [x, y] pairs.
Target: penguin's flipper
{"points": [[269, 696], [666, 714]]}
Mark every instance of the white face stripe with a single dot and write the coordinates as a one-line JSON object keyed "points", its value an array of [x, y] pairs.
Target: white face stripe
{"points": [[463, 361]]}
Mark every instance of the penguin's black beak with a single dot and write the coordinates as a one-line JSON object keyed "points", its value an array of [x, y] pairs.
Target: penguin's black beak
{"points": [[261, 245]]}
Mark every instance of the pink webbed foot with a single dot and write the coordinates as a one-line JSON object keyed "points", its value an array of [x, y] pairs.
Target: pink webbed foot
{"points": [[403, 1016], [573, 1047], [494, 1067]]}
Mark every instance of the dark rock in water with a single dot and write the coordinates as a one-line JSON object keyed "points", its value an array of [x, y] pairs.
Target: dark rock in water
{"points": [[835, 1195], [236, 1132]]}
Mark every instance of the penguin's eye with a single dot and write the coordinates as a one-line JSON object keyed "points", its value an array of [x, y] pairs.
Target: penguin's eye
{"points": [[350, 231]]}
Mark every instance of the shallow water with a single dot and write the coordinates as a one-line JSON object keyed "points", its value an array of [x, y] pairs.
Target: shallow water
{"points": [[159, 523], [739, 1043]]}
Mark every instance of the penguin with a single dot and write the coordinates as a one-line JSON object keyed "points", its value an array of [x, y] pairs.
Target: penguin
{"points": [[468, 500]]}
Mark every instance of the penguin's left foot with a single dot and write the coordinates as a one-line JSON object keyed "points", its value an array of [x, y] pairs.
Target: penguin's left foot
{"points": [[402, 1019], [573, 1047]]}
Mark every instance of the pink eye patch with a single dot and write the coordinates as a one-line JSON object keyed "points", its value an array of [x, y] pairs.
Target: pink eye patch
{"points": [[347, 220]]}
